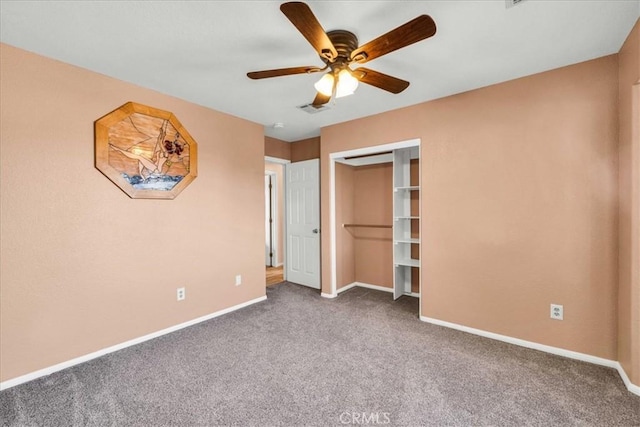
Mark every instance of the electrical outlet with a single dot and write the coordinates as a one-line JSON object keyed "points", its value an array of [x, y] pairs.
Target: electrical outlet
{"points": [[238, 280], [557, 312], [181, 294]]}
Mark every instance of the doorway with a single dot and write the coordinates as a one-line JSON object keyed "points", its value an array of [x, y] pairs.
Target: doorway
{"points": [[274, 193], [270, 223], [275, 276]]}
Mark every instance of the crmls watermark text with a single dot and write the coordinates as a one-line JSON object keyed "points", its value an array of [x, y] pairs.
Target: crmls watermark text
{"points": [[365, 418]]}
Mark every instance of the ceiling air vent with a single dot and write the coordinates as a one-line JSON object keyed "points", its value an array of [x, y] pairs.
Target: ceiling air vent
{"points": [[511, 3], [313, 109]]}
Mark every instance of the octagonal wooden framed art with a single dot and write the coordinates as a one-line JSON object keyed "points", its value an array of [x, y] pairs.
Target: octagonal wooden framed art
{"points": [[145, 151]]}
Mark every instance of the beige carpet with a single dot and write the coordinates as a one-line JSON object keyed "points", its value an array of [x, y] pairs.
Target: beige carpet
{"points": [[298, 359]]}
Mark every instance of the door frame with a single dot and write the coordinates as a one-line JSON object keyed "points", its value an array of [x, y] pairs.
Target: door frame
{"points": [[273, 176], [333, 157], [283, 250], [635, 224]]}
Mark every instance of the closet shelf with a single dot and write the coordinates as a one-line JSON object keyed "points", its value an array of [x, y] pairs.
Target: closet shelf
{"points": [[412, 241], [409, 262], [407, 188], [368, 225], [405, 237]]}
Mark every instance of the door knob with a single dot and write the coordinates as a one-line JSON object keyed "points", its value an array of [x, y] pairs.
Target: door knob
{"points": [[315, 231]]}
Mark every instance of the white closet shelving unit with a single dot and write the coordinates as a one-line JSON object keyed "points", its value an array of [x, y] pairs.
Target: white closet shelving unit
{"points": [[403, 218]]}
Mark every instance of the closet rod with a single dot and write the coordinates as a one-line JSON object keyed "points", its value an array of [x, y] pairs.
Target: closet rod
{"points": [[368, 225], [369, 155]]}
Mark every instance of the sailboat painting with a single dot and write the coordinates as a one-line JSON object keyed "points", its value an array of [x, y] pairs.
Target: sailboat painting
{"points": [[145, 151]]}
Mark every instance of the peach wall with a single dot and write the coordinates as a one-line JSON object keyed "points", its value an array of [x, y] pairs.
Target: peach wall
{"points": [[83, 266], [519, 191], [305, 149], [364, 254], [276, 148], [629, 213], [373, 203], [279, 171], [345, 246], [370, 188]]}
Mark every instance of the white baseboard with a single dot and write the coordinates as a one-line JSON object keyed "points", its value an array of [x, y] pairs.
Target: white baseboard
{"points": [[353, 285], [364, 285], [541, 347], [375, 287], [60, 366], [625, 378], [346, 288], [325, 295]]}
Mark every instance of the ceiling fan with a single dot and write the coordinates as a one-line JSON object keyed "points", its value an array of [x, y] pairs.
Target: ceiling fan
{"points": [[338, 49]]}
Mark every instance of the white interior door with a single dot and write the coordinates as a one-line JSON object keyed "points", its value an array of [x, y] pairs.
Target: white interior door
{"points": [[303, 223]]}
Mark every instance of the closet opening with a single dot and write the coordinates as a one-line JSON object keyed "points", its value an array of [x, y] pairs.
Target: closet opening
{"points": [[374, 207]]}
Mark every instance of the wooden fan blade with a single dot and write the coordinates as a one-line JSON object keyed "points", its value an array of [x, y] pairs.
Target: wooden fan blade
{"points": [[413, 31], [282, 72], [305, 21], [380, 80], [320, 99]]}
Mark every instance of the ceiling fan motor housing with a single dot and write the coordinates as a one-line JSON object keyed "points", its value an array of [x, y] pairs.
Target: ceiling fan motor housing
{"points": [[344, 42]]}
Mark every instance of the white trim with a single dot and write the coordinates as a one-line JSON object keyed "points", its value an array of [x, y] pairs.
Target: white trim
{"points": [[325, 295], [627, 382], [78, 360], [276, 160], [368, 160], [376, 149], [634, 297], [540, 347], [420, 228], [347, 287], [285, 219], [374, 287], [332, 226]]}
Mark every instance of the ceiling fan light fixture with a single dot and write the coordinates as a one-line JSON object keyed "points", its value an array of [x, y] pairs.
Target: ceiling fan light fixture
{"points": [[338, 49], [325, 85], [347, 84]]}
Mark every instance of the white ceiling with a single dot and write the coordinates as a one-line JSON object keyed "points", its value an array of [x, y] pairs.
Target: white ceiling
{"points": [[200, 51]]}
